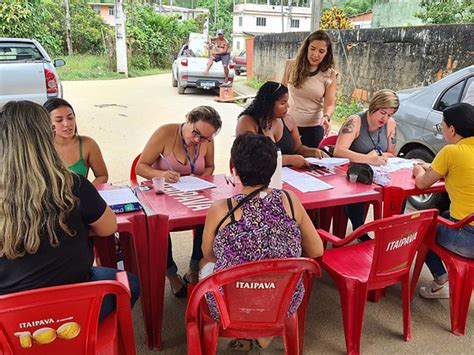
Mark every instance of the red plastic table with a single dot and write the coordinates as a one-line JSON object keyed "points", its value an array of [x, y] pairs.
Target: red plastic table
{"points": [[402, 185], [177, 211], [131, 225]]}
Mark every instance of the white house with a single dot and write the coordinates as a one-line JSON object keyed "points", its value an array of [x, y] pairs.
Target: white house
{"points": [[251, 16]]}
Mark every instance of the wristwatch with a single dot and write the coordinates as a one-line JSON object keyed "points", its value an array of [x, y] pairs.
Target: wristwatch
{"points": [[328, 117]]}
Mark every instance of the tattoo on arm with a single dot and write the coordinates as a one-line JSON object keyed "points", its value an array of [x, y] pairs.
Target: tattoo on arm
{"points": [[348, 126]]}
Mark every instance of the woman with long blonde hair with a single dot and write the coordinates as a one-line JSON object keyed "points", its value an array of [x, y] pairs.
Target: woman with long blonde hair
{"points": [[45, 210]]}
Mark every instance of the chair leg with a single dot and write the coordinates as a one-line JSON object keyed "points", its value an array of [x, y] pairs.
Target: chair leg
{"points": [[406, 307], [420, 260], [209, 336], [291, 336], [353, 296], [460, 289]]}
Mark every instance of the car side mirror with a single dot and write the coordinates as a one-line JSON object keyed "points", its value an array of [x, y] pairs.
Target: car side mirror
{"points": [[59, 63]]}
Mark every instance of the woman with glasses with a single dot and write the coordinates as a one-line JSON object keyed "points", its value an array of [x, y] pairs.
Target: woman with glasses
{"points": [[455, 164], [182, 149], [369, 137], [312, 81], [267, 115]]}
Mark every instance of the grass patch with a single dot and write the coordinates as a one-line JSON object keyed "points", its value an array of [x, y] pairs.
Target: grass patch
{"points": [[95, 67], [344, 109], [254, 83]]}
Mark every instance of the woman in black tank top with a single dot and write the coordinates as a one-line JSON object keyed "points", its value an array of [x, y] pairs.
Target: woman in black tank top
{"points": [[266, 115]]}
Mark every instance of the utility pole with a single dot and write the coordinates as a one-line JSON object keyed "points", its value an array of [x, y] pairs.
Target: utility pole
{"points": [[120, 38], [315, 14], [282, 18], [215, 14], [68, 28]]}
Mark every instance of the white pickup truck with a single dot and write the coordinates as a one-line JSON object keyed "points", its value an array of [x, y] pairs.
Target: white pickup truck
{"points": [[27, 72], [190, 64]]}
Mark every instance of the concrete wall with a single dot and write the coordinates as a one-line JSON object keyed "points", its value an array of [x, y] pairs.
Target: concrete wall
{"points": [[396, 58], [390, 13]]}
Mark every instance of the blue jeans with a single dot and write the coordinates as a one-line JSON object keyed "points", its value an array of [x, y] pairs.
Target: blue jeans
{"points": [[99, 273], [459, 241]]}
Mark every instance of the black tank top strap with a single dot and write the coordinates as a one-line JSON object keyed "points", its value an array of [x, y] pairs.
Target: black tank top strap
{"points": [[286, 141], [229, 206], [291, 204]]}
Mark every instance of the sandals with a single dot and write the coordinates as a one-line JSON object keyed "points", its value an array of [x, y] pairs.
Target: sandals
{"points": [[244, 344], [183, 291], [190, 279]]}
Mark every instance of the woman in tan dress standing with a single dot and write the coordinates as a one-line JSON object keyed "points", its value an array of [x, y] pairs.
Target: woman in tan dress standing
{"points": [[311, 80]]}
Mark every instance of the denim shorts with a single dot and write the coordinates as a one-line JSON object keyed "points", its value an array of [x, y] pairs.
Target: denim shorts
{"points": [[459, 241]]}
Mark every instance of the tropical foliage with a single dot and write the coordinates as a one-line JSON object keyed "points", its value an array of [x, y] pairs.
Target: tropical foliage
{"points": [[447, 11], [334, 19]]}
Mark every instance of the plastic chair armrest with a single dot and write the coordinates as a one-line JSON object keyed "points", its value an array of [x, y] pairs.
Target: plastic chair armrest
{"points": [[338, 241], [456, 225]]}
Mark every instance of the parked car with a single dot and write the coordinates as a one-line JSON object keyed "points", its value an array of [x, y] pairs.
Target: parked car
{"points": [[419, 113], [240, 63], [27, 72], [189, 66]]}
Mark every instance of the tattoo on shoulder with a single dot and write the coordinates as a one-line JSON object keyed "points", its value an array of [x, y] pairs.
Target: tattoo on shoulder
{"points": [[348, 126]]}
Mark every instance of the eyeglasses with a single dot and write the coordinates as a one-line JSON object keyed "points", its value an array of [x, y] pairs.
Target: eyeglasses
{"points": [[439, 127], [385, 113], [198, 134]]}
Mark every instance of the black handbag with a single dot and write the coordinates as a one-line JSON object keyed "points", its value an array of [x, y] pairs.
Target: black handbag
{"points": [[364, 172]]}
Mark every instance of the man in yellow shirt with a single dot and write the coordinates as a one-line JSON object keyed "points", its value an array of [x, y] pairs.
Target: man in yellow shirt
{"points": [[454, 163]]}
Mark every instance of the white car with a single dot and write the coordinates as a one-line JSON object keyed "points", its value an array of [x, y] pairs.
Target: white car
{"points": [[27, 72], [189, 67]]}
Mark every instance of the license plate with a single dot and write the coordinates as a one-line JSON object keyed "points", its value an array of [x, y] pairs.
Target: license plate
{"points": [[208, 84]]}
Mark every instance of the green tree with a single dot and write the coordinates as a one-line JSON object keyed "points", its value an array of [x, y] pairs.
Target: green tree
{"points": [[333, 19], [224, 15], [354, 7], [447, 11]]}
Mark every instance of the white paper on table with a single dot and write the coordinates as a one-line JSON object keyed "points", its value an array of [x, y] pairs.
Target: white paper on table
{"points": [[191, 183], [118, 196], [304, 182], [394, 164], [327, 162]]}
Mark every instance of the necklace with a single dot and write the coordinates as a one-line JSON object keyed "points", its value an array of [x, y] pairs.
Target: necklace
{"points": [[186, 151]]}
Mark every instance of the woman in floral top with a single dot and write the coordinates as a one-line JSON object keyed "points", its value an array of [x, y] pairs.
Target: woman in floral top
{"points": [[269, 223]]}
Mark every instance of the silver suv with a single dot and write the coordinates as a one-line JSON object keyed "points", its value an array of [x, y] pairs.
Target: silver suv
{"points": [[420, 110], [27, 72]]}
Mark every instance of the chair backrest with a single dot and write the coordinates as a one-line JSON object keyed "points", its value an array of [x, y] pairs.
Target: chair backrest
{"points": [[331, 140], [397, 239], [256, 294], [133, 173], [60, 319]]}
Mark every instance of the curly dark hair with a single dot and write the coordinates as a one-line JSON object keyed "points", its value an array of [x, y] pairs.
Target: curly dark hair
{"points": [[261, 108], [254, 158]]}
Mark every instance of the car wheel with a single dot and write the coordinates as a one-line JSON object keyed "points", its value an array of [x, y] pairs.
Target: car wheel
{"points": [[174, 82], [181, 89], [439, 201]]}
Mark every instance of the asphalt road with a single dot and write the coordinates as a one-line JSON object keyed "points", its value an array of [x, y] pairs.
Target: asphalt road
{"points": [[122, 114]]}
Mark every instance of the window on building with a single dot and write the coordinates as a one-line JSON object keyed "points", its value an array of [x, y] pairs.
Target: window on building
{"points": [[241, 20], [111, 11], [295, 23], [237, 45], [261, 21]]}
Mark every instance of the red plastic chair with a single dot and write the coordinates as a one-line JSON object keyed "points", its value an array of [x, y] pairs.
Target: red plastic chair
{"points": [[65, 320], [460, 271], [251, 312], [375, 264], [133, 173], [330, 140]]}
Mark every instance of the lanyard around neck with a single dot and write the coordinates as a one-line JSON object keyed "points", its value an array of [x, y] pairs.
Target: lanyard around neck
{"points": [[186, 151], [377, 146]]}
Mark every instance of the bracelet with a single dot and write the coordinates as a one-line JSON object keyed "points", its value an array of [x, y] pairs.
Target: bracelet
{"points": [[329, 118]]}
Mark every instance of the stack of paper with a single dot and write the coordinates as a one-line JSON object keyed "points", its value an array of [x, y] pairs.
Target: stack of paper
{"points": [[121, 200], [394, 164], [191, 183], [327, 162], [304, 182]]}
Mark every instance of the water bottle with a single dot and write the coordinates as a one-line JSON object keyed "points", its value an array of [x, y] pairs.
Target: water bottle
{"points": [[276, 182]]}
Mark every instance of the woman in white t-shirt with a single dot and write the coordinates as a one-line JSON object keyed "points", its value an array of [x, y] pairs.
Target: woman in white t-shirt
{"points": [[312, 82]]}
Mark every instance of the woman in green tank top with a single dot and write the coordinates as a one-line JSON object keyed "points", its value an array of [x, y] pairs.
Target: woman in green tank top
{"points": [[79, 153]]}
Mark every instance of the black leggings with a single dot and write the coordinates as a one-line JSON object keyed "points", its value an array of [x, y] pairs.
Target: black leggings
{"points": [[311, 136]]}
